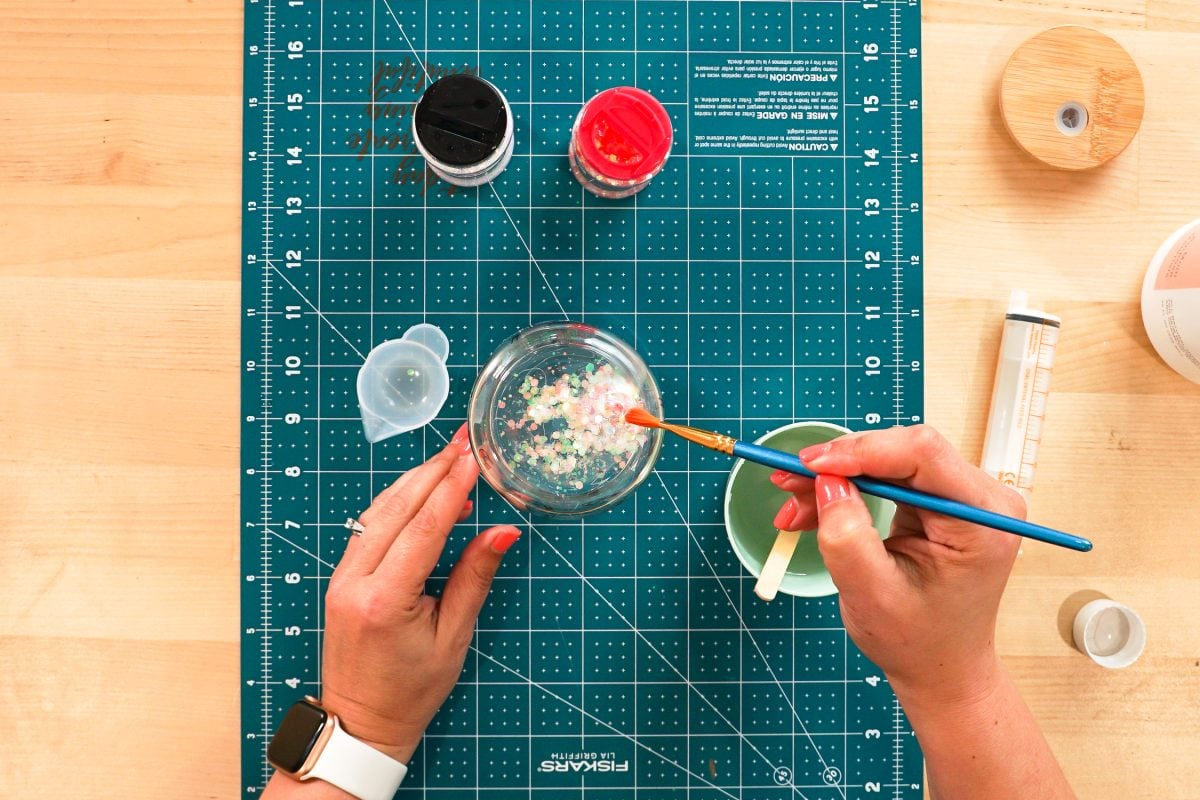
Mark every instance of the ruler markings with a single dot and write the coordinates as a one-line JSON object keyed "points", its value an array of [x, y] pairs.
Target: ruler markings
{"points": [[273, 281]]}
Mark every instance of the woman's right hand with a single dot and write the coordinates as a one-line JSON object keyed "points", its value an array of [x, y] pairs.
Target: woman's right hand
{"points": [[921, 604]]}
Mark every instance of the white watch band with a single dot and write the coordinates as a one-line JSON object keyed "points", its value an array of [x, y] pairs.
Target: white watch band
{"points": [[357, 768]]}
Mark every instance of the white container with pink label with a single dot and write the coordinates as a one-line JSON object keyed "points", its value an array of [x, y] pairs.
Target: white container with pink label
{"points": [[1171, 301]]}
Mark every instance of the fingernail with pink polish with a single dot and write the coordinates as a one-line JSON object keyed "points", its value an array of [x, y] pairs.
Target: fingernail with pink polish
{"points": [[502, 541], [788, 517], [814, 452], [831, 489], [779, 476], [463, 439]]}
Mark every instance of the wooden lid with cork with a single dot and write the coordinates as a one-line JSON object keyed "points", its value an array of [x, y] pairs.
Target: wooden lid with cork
{"points": [[1072, 97]]}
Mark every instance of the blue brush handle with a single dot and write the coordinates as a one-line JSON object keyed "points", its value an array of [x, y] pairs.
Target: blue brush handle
{"points": [[913, 497]]}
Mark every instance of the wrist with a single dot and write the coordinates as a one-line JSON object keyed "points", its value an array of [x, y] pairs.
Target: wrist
{"points": [[401, 749], [396, 739], [956, 691], [312, 744]]}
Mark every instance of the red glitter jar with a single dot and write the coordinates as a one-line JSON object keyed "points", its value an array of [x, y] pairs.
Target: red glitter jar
{"points": [[620, 140]]}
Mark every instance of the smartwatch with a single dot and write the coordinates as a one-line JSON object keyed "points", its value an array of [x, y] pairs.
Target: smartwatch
{"points": [[310, 743]]}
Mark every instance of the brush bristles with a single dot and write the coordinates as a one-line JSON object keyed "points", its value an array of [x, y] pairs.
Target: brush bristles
{"points": [[713, 441], [642, 417]]}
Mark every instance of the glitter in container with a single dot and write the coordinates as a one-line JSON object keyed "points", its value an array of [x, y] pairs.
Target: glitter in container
{"points": [[620, 140], [572, 432], [547, 420]]}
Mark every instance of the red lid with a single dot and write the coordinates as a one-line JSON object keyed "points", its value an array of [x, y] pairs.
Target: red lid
{"points": [[624, 133]]}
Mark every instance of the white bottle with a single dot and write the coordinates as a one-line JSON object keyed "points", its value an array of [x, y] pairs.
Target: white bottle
{"points": [[1171, 301]]}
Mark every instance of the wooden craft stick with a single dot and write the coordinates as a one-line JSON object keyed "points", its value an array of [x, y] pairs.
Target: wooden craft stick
{"points": [[777, 564]]}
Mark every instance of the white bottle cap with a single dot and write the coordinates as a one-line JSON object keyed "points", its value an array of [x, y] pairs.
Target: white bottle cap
{"points": [[1109, 633]]}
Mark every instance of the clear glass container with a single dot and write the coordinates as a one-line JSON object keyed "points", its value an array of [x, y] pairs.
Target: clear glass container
{"points": [[547, 420]]}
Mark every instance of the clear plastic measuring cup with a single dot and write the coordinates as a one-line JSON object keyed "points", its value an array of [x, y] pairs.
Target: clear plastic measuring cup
{"points": [[404, 382]]}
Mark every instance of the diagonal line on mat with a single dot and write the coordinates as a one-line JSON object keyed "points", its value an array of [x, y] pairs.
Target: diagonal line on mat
{"points": [[324, 318], [318, 559], [396, 19], [632, 628], [596, 719], [541, 272], [745, 627], [551, 693], [546, 541], [745, 740], [500, 200]]}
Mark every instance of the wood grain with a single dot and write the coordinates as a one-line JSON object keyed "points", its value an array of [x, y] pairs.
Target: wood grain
{"points": [[1076, 66], [119, 218], [1039, 14]]}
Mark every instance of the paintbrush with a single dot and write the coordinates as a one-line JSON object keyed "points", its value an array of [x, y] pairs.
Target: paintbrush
{"points": [[899, 494]]}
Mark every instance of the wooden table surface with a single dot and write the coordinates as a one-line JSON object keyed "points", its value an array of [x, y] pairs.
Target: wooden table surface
{"points": [[119, 257]]}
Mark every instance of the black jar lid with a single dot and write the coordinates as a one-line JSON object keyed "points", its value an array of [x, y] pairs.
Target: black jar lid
{"points": [[461, 120]]}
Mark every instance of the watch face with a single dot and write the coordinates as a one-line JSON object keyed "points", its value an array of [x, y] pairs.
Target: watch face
{"points": [[296, 736]]}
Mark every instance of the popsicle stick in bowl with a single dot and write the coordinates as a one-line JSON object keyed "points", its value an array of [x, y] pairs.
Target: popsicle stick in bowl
{"points": [[776, 565]]}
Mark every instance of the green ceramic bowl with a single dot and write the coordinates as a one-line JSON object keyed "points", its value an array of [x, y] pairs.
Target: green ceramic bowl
{"points": [[751, 501]]}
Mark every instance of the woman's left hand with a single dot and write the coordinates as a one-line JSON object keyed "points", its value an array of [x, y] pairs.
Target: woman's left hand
{"points": [[392, 653]]}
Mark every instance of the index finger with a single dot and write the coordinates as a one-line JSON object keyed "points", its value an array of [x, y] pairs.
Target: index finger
{"points": [[392, 510], [416, 550], [916, 456]]}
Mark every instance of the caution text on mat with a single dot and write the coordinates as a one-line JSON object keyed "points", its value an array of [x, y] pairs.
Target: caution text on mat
{"points": [[765, 104]]}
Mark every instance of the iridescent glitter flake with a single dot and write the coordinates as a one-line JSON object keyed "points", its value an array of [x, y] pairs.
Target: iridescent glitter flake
{"points": [[569, 432]]}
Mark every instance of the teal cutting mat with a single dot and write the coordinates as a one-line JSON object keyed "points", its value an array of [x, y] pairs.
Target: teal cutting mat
{"points": [[772, 272]]}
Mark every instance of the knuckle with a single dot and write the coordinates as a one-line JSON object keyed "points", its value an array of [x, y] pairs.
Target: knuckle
{"points": [[425, 522], [452, 650], [845, 527], [1012, 503], [481, 578], [836, 527], [373, 610], [337, 598], [860, 446], [462, 472], [927, 440], [828, 545], [397, 505], [371, 513], [459, 642]]}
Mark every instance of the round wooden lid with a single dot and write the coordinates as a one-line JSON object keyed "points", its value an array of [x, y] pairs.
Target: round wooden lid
{"points": [[1072, 97]]}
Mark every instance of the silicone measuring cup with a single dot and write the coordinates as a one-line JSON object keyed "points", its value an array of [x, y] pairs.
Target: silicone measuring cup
{"points": [[404, 382]]}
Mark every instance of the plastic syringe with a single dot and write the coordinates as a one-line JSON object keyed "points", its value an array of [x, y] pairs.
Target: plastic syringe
{"points": [[1022, 384]]}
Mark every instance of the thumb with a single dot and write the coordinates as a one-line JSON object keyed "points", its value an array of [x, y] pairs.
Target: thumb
{"points": [[853, 552], [471, 579]]}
